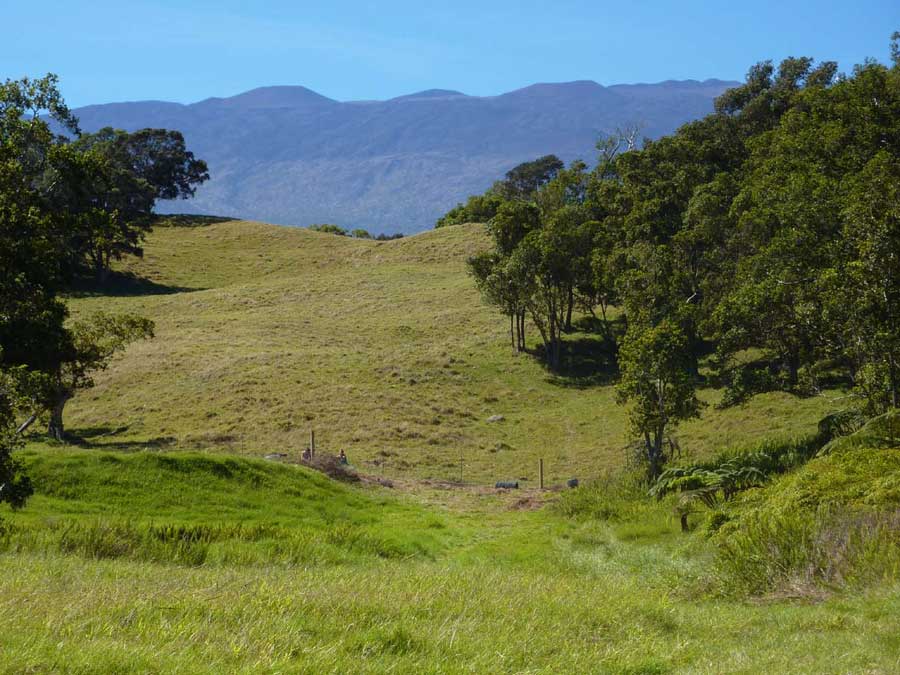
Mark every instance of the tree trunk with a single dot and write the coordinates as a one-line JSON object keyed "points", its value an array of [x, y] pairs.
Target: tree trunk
{"points": [[512, 335], [56, 428], [520, 324], [570, 302], [892, 376], [684, 522], [793, 364], [27, 423], [101, 269]]}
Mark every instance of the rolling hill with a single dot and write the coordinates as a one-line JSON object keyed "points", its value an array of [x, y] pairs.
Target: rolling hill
{"points": [[160, 539], [384, 348], [289, 155]]}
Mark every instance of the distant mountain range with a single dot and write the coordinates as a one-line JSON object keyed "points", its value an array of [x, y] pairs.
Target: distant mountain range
{"points": [[290, 156]]}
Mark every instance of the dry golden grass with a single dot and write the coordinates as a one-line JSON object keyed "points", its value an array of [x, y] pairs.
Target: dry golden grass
{"points": [[384, 348]]}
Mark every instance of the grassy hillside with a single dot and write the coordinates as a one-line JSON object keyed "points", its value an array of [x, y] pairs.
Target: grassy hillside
{"points": [[163, 542], [384, 348]]}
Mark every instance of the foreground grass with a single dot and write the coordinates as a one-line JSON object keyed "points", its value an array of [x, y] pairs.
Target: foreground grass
{"points": [[480, 588], [72, 615], [384, 348]]}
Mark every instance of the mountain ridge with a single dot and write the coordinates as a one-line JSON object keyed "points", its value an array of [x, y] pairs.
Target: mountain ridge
{"points": [[289, 155]]}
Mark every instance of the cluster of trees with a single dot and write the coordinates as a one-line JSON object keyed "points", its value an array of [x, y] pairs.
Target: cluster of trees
{"points": [[766, 235], [330, 228], [70, 203], [519, 183]]}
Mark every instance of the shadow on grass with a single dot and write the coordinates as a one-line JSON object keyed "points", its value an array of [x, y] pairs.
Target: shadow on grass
{"points": [[104, 438], [584, 362], [122, 285]]}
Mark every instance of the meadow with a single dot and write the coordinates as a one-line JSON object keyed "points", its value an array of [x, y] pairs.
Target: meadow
{"points": [[384, 348], [275, 568], [162, 541]]}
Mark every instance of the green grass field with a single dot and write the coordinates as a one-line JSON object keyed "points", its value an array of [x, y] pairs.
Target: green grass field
{"points": [[162, 542], [218, 564]]}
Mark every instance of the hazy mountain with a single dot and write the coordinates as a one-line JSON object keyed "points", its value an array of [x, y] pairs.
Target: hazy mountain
{"points": [[291, 156]]}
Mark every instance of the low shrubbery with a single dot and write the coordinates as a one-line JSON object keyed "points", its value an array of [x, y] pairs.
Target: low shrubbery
{"points": [[834, 522], [802, 551]]}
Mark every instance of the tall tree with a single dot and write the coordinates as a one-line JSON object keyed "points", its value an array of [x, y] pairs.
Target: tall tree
{"points": [[657, 385], [121, 177]]}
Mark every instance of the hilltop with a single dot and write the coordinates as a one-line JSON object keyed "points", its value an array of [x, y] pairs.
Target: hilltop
{"points": [[384, 348], [290, 155]]}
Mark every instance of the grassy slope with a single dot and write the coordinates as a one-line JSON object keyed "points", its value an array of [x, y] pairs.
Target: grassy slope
{"points": [[384, 347], [486, 589]]}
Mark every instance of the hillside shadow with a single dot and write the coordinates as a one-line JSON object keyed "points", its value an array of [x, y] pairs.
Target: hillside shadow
{"points": [[104, 438], [584, 362], [123, 285]]}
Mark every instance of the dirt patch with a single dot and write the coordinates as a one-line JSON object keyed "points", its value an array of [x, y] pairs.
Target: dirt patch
{"points": [[331, 466], [527, 503]]}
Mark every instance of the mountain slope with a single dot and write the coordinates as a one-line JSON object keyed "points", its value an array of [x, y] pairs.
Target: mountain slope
{"points": [[289, 155]]}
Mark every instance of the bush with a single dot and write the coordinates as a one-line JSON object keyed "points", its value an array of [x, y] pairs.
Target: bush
{"points": [[614, 498], [798, 551], [478, 209], [834, 522], [329, 228]]}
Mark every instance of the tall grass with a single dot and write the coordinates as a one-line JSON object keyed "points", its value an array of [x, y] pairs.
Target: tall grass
{"points": [[799, 552]]}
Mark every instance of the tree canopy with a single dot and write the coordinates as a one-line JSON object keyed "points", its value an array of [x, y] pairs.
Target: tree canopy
{"points": [[67, 202], [763, 240]]}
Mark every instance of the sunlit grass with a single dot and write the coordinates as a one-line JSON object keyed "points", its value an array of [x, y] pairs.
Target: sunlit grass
{"points": [[384, 348]]}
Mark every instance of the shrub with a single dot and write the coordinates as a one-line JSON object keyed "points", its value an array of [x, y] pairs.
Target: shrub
{"points": [[797, 551]]}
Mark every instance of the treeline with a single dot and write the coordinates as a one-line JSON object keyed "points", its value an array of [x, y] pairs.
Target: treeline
{"points": [[766, 235], [70, 204], [330, 228]]}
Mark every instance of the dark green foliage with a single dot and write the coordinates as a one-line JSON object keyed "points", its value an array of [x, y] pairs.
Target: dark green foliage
{"points": [[477, 209], [329, 228], [109, 182], [524, 180], [15, 485], [521, 184], [768, 230]]}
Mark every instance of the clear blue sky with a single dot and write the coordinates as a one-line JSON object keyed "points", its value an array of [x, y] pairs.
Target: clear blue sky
{"points": [[192, 49]]}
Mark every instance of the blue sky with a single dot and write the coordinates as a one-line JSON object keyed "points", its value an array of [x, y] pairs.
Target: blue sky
{"points": [[189, 50]]}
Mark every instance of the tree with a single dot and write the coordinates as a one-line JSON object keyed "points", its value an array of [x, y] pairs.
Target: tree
{"points": [[118, 179], [34, 243], [94, 342], [872, 227], [329, 228], [15, 486], [477, 209], [520, 184], [523, 180], [656, 383]]}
